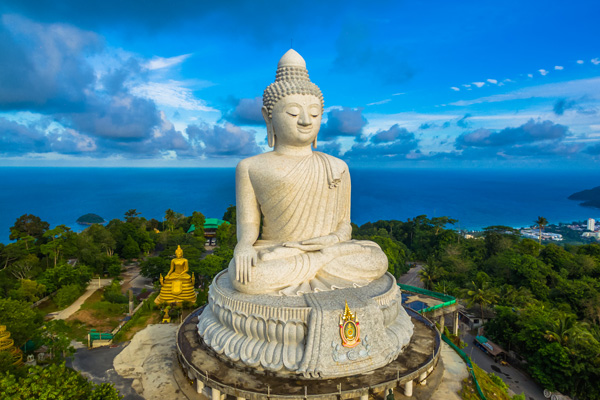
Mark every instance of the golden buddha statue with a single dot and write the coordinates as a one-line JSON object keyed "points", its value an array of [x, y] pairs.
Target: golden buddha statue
{"points": [[177, 286]]}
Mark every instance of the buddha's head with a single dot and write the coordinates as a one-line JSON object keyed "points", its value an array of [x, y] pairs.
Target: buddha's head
{"points": [[179, 252], [292, 105]]}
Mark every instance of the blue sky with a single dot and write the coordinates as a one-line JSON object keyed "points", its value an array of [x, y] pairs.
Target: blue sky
{"points": [[507, 84]]}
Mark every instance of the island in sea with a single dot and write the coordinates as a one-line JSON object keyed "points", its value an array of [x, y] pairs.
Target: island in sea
{"points": [[590, 197], [89, 219]]}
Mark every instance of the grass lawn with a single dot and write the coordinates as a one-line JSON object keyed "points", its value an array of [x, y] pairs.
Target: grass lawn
{"points": [[144, 319], [48, 306], [96, 313], [491, 390]]}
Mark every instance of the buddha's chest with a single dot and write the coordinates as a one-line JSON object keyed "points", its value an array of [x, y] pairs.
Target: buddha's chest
{"points": [[274, 180]]}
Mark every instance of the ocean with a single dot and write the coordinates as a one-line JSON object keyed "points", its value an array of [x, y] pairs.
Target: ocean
{"points": [[476, 197]]}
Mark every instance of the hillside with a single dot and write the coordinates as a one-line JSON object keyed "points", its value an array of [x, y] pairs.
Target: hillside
{"points": [[589, 197]]}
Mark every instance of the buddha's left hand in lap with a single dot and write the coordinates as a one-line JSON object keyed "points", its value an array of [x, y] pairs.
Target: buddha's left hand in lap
{"points": [[314, 244]]}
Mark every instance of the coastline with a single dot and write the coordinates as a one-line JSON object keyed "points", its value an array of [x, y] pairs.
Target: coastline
{"points": [[477, 198]]}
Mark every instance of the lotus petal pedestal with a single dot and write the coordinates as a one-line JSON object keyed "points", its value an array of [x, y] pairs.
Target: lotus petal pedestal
{"points": [[292, 335]]}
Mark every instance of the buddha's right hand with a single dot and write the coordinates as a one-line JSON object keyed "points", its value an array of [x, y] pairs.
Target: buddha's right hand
{"points": [[245, 258]]}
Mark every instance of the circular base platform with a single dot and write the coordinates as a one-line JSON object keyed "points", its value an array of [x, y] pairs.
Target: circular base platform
{"points": [[202, 365], [325, 334]]}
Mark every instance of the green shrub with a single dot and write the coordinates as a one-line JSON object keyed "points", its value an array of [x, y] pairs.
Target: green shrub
{"points": [[66, 295], [498, 381], [112, 294]]}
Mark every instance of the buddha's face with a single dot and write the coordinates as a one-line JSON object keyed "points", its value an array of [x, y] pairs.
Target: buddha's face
{"points": [[296, 120], [178, 253]]}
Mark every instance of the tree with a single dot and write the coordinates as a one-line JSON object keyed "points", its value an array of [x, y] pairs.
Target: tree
{"points": [[131, 214], [566, 331], [211, 265], [395, 252], [66, 295], [499, 238], [13, 252], [480, 293], [541, 223], [25, 267], [28, 224], [170, 217], [102, 237], [54, 382], [20, 319], [54, 336], [55, 245], [130, 249], [230, 215], [153, 267], [29, 290], [226, 235], [430, 274], [63, 274], [198, 221]]}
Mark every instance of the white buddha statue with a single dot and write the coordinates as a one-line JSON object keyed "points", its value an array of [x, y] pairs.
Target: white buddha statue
{"points": [[303, 199]]}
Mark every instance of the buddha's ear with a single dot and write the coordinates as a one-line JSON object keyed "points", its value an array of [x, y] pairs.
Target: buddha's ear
{"points": [[314, 143], [269, 122]]}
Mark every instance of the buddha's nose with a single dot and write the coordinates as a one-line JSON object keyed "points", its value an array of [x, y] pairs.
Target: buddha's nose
{"points": [[304, 119]]}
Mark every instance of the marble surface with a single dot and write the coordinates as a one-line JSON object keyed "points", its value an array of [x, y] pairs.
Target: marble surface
{"points": [[302, 198], [301, 334]]}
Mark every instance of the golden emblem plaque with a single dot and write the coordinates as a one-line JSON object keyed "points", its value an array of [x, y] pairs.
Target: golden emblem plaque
{"points": [[349, 328]]}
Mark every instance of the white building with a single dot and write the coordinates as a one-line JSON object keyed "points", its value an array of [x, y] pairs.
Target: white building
{"points": [[591, 225], [591, 234]]}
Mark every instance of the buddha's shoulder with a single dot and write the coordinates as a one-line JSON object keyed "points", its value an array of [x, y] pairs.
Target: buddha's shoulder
{"points": [[249, 162], [334, 161]]}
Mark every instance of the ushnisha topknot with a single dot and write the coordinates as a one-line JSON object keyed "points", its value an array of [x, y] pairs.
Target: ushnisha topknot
{"points": [[291, 78]]}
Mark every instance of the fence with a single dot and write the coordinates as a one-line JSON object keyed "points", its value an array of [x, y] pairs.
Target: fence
{"points": [[447, 299], [467, 360]]}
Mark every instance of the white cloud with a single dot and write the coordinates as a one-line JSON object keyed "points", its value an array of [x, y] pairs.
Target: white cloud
{"points": [[494, 81], [543, 72], [579, 61], [455, 89], [479, 84], [595, 61], [171, 94], [398, 94], [575, 88], [376, 103], [530, 75], [467, 86], [559, 67], [161, 62]]}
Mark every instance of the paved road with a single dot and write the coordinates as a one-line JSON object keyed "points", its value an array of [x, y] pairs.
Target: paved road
{"points": [[516, 380], [134, 281], [97, 365], [73, 308], [412, 277]]}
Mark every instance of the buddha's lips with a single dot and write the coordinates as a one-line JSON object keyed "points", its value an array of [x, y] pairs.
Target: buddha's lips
{"points": [[305, 130]]}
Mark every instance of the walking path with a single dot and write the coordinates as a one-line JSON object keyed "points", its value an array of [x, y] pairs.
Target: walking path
{"points": [[94, 285], [455, 371]]}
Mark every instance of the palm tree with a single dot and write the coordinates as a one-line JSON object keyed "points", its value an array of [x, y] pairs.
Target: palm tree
{"points": [[567, 331], [480, 293], [541, 222], [429, 275], [170, 217]]}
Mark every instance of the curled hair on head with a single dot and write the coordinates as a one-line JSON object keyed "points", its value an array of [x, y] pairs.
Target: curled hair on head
{"points": [[290, 80]]}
